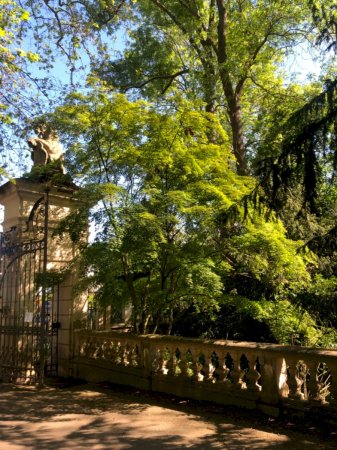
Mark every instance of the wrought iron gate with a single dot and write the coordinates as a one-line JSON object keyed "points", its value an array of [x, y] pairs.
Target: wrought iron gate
{"points": [[28, 305]]}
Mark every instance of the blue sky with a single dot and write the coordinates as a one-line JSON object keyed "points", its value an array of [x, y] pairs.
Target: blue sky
{"points": [[298, 67]]}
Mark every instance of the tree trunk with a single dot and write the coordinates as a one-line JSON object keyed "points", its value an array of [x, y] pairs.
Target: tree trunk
{"points": [[132, 293], [208, 81], [234, 109], [171, 320], [232, 95]]}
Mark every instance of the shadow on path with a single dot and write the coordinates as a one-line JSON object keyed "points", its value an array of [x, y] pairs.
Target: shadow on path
{"points": [[108, 417]]}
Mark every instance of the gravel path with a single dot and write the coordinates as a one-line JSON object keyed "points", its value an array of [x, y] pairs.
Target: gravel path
{"points": [[108, 417]]}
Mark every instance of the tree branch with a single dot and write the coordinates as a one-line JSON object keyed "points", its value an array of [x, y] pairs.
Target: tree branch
{"points": [[170, 77]]}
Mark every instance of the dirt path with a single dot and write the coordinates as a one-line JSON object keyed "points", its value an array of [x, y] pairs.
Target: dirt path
{"points": [[92, 417]]}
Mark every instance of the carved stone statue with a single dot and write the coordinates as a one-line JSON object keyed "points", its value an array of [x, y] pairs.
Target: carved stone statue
{"points": [[45, 147]]}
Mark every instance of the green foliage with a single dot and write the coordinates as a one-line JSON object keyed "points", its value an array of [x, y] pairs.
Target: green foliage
{"points": [[51, 173], [177, 229], [50, 278], [288, 323], [320, 300], [157, 183], [324, 15], [307, 151], [12, 58], [241, 318], [222, 52], [158, 180], [150, 63], [262, 253]]}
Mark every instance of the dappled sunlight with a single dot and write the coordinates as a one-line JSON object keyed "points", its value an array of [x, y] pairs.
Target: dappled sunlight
{"points": [[97, 417]]}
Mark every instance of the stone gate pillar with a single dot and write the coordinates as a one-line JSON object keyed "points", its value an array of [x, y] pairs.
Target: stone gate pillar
{"points": [[24, 215]]}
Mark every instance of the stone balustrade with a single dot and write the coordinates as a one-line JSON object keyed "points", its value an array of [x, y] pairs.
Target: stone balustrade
{"points": [[268, 377]]}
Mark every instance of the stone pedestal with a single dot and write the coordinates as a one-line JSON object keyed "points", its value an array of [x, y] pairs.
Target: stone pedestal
{"points": [[24, 216]]}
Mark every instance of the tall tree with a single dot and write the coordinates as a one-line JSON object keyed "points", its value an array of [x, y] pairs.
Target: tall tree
{"points": [[158, 186], [324, 14], [15, 56], [172, 233], [13, 21], [229, 44], [168, 164]]}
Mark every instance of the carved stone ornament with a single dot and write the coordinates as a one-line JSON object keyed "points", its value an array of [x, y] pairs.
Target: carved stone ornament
{"points": [[45, 147]]}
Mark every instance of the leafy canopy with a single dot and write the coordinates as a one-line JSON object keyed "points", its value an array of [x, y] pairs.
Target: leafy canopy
{"points": [[156, 183], [158, 179]]}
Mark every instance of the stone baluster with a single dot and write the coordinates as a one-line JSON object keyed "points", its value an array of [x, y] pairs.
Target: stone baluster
{"points": [[139, 350], [273, 380], [178, 361], [295, 382], [324, 383], [197, 366], [84, 346], [291, 377], [312, 382], [237, 373], [146, 352], [99, 349], [165, 356], [208, 373], [302, 376], [253, 375], [109, 351], [92, 348], [193, 365], [113, 353], [183, 365], [118, 353], [170, 365], [155, 359], [88, 349], [103, 348], [190, 367], [215, 362], [106, 348], [182, 361], [163, 360], [226, 367], [134, 356], [333, 385], [126, 354], [282, 381], [139, 354], [222, 371]]}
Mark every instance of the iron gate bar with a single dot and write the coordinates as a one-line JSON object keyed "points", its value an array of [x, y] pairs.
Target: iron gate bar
{"points": [[18, 338], [28, 336], [44, 291]]}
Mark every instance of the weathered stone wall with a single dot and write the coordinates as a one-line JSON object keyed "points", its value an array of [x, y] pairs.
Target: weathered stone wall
{"points": [[263, 376], [24, 223]]}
